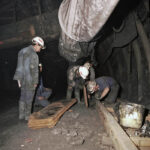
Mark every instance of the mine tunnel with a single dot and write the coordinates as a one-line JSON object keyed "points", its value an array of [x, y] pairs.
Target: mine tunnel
{"points": [[119, 47]]}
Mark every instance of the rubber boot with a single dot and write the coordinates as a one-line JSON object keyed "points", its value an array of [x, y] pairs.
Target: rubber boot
{"points": [[77, 95], [21, 110], [69, 93], [28, 111]]}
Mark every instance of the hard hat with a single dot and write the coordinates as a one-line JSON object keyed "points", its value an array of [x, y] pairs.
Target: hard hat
{"points": [[38, 40], [91, 86], [83, 71], [87, 65], [40, 65]]}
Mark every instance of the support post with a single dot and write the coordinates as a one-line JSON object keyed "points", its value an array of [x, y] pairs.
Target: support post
{"points": [[144, 39], [138, 58], [120, 139]]}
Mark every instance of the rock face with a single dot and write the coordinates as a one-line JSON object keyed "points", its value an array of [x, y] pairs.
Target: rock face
{"points": [[21, 32], [21, 20]]}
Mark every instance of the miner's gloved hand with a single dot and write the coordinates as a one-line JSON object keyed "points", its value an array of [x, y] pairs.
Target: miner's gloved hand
{"points": [[97, 95]]}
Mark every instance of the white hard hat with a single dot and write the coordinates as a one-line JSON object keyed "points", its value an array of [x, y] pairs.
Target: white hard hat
{"points": [[83, 71], [38, 40], [91, 86], [87, 65]]}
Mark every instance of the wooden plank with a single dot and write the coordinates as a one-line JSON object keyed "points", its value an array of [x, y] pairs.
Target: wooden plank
{"points": [[137, 140], [49, 116], [120, 139], [144, 148], [141, 141], [110, 109]]}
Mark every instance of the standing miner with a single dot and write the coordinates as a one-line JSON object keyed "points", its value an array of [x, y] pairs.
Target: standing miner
{"points": [[26, 74]]}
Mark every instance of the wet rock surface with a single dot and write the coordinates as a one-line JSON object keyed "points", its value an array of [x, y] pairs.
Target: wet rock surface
{"points": [[78, 129]]}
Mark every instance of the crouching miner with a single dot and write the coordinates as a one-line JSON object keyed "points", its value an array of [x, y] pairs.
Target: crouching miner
{"points": [[104, 88], [26, 74]]}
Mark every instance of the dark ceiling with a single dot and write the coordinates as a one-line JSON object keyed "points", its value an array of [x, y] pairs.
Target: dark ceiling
{"points": [[12, 11]]}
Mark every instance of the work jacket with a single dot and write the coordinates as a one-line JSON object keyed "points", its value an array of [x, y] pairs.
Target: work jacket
{"points": [[27, 68], [92, 74]]}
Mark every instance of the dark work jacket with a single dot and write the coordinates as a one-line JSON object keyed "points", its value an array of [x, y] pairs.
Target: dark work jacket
{"points": [[92, 74], [72, 75], [27, 68], [104, 82]]}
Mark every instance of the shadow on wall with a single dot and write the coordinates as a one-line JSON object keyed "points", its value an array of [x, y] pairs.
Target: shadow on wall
{"points": [[8, 61], [54, 69]]}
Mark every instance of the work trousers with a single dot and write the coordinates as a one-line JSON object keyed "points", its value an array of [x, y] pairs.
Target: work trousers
{"points": [[112, 95], [27, 96]]}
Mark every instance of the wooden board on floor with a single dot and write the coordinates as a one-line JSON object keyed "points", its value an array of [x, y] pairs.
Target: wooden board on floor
{"points": [[120, 139], [49, 116]]}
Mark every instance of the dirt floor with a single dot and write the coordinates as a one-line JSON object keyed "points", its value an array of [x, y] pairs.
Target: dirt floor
{"points": [[78, 129]]}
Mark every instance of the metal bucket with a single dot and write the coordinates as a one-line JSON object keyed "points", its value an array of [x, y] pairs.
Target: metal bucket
{"points": [[131, 115]]}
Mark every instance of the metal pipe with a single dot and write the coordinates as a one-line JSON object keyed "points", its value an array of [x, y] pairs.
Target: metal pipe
{"points": [[138, 58], [144, 39]]}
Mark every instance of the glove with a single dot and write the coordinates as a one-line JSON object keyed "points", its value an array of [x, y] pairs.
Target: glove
{"points": [[97, 95]]}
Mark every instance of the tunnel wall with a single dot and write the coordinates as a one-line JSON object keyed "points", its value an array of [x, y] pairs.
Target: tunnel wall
{"points": [[129, 64]]}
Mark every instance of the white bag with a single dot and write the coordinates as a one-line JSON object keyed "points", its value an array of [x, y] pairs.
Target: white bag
{"points": [[81, 20]]}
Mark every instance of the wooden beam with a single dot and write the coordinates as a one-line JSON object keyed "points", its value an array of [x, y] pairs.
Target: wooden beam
{"points": [[141, 141], [144, 148], [120, 139], [50, 115]]}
